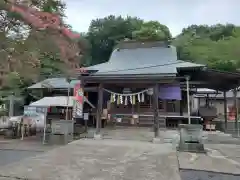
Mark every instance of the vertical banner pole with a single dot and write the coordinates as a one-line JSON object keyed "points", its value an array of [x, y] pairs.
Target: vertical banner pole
{"points": [[45, 125]]}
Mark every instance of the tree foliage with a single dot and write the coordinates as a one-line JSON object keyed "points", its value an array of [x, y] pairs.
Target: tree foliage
{"points": [[216, 46], [152, 31], [29, 51], [31, 55], [105, 33]]}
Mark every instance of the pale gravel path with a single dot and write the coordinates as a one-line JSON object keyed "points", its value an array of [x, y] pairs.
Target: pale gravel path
{"points": [[99, 160], [120, 159]]}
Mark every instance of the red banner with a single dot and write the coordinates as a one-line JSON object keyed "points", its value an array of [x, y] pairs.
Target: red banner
{"points": [[78, 93], [79, 97]]}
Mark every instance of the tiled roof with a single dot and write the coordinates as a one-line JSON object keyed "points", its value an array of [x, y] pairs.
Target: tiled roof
{"points": [[132, 59], [57, 83], [143, 60]]}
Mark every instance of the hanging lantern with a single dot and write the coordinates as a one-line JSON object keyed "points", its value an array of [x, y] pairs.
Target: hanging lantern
{"points": [[150, 91]]}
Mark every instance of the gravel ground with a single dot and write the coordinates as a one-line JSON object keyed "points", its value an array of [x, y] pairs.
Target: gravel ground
{"points": [[11, 156], [205, 175], [224, 155], [99, 159], [15, 150]]}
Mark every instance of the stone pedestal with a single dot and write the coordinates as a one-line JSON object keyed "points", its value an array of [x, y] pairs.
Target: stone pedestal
{"points": [[60, 139], [191, 138], [156, 140], [97, 136], [61, 132]]}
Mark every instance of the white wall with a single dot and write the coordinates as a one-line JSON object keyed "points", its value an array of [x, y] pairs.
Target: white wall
{"points": [[219, 104]]}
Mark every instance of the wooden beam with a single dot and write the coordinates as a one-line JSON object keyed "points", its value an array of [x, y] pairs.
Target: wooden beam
{"points": [[195, 83], [91, 89], [236, 109], [225, 110], [129, 82], [99, 109], [155, 110]]}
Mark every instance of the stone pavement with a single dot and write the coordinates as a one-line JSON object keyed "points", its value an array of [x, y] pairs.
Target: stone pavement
{"points": [[227, 151], [125, 154], [11, 156], [212, 161], [99, 160], [221, 162], [13, 150], [206, 175]]}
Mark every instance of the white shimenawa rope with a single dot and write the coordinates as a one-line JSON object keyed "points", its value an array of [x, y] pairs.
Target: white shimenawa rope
{"points": [[129, 94]]}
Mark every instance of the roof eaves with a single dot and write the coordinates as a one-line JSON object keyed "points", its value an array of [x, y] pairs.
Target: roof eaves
{"points": [[131, 76]]}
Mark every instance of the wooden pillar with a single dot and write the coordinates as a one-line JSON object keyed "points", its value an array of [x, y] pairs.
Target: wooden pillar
{"points": [[225, 110], [99, 109], [207, 100], [155, 110], [68, 99], [236, 109], [188, 100], [199, 102], [181, 104]]}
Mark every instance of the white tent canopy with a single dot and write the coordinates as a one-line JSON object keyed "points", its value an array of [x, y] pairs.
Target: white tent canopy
{"points": [[63, 101]]}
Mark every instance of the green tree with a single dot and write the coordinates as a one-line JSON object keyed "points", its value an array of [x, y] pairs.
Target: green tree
{"points": [[105, 33], [152, 30]]}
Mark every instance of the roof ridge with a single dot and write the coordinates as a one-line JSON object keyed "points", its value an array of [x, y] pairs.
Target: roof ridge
{"points": [[133, 44]]}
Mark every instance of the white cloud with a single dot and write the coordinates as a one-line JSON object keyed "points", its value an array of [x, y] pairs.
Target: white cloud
{"points": [[176, 14]]}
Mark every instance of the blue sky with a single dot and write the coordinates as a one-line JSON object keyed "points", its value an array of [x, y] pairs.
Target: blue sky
{"points": [[176, 14]]}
